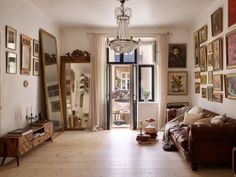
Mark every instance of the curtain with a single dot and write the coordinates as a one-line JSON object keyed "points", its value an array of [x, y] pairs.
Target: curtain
{"points": [[162, 65], [97, 83]]}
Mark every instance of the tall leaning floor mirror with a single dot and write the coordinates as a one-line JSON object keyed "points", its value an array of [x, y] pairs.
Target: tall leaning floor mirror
{"points": [[75, 84], [51, 80]]}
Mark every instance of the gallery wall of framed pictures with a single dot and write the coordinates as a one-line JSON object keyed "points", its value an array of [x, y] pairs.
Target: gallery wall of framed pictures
{"points": [[215, 65]]}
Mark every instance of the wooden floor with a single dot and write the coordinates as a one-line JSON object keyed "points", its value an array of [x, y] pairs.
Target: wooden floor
{"points": [[105, 154]]}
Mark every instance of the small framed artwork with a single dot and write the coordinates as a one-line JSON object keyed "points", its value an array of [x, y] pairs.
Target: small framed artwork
{"points": [[230, 86], [203, 58], [209, 55], [217, 48], [177, 83], [56, 106], [203, 34], [218, 97], [197, 87], [36, 67], [204, 92], [11, 36], [217, 22], [210, 77], [210, 93], [217, 82], [203, 79], [231, 49], [11, 63], [25, 54], [177, 56], [197, 74], [231, 12], [196, 49], [36, 48]]}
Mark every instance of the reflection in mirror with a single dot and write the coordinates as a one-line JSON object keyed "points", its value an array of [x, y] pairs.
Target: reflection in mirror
{"points": [[146, 83], [51, 79]]}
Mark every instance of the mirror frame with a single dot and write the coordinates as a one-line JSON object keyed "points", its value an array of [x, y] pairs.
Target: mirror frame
{"points": [[41, 32], [139, 82], [77, 56]]}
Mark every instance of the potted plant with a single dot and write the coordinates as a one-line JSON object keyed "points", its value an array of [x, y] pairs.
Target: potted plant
{"points": [[146, 94]]}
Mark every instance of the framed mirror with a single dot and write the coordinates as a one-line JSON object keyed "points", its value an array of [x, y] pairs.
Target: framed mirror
{"points": [[75, 84], [51, 80], [146, 83]]}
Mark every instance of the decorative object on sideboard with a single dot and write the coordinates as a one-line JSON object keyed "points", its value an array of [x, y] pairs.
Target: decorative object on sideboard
{"points": [[25, 55], [217, 22], [231, 49], [177, 56], [230, 86], [31, 118], [11, 38], [231, 12], [11, 63], [217, 48]]}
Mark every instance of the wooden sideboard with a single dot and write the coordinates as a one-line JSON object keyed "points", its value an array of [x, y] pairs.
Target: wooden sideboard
{"points": [[18, 142]]}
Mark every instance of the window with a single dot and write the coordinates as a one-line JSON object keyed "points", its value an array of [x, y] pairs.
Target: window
{"points": [[125, 81]]}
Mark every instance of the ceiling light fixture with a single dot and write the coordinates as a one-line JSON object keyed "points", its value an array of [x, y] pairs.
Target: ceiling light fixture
{"points": [[123, 44]]}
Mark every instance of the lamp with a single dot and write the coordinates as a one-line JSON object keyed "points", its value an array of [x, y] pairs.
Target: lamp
{"points": [[123, 44]]}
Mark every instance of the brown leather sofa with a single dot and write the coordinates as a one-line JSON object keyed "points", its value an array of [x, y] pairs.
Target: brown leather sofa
{"points": [[205, 143]]}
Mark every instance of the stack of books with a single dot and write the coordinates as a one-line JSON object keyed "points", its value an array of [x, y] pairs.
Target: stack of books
{"points": [[151, 130]]}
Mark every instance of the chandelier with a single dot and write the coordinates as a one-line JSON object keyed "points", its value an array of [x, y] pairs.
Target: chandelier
{"points": [[123, 44]]}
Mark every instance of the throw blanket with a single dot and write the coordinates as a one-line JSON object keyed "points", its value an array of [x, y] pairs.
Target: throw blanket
{"points": [[167, 144]]}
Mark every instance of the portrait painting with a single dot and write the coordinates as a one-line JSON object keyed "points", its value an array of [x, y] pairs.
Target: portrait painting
{"points": [[231, 12], [177, 56], [177, 83], [217, 22], [218, 97], [203, 58], [230, 86], [231, 49], [210, 93], [11, 63], [11, 36], [196, 49], [204, 92], [197, 87], [217, 49], [203, 34], [217, 82], [25, 54]]}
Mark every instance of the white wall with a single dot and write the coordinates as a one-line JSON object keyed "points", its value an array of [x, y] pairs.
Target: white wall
{"points": [[15, 99], [228, 105]]}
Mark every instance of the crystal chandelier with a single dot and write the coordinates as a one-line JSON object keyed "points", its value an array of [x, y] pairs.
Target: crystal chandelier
{"points": [[123, 44]]}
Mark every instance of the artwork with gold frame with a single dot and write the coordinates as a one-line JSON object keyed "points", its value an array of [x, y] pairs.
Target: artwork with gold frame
{"points": [[203, 79], [231, 49], [196, 49], [218, 97], [197, 87], [209, 55], [203, 34], [11, 38], [197, 74], [230, 86], [25, 55], [210, 93], [217, 22], [210, 77], [204, 92], [203, 58], [231, 12], [217, 82], [217, 48], [177, 83]]}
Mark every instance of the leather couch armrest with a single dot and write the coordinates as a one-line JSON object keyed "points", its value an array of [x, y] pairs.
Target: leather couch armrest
{"points": [[171, 114]]}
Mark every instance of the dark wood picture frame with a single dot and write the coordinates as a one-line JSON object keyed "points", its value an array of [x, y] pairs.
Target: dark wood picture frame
{"points": [[217, 48], [177, 56], [11, 38], [231, 12], [25, 55], [217, 22], [231, 49], [230, 86]]}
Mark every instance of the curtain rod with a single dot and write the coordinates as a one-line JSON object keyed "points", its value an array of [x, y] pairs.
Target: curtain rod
{"points": [[110, 34]]}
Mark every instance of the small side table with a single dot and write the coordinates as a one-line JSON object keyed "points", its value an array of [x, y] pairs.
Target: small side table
{"points": [[234, 161]]}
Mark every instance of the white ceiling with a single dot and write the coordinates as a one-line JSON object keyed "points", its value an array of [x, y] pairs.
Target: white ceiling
{"points": [[100, 13]]}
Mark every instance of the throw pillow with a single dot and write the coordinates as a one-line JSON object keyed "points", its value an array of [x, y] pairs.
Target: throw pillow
{"points": [[191, 118], [195, 110], [219, 119], [203, 121]]}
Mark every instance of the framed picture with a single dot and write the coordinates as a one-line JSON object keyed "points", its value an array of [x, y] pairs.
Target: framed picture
{"points": [[36, 48], [218, 97], [11, 63], [204, 92], [197, 74], [217, 82], [203, 58], [231, 12], [177, 56], [231, 49], [209, 55], [177, 83], [203, 79], [210, 93], [203, 34], [196, 49], [230, 86], [217, 48], [25, 54], [11, 36], [36, 67], [210, 77], [53, 90], [217, 22], [55, 106], [197, 87]]}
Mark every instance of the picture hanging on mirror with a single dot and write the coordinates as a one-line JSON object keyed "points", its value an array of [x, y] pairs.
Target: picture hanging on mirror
{"points": [[36, 67], [11, 63], [177, 83], [36, 48], [177, 56], [25, 55], [11, 36], [217, 22]]}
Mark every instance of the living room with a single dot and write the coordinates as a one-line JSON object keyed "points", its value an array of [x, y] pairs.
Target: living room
{"points": [[185, 25]]}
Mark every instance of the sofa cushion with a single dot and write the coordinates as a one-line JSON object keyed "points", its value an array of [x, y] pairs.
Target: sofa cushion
{"points": [[180, 134], [195, 110], [191, 118], [219, 119], [203, 121]]}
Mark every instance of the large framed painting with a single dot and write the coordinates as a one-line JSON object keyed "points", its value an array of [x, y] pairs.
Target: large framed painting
{"points": [[196, 49], [217, 22], [231, 49], [197, 87], [217, 48], [177, 83], [217, 82], [210, 93], [11, 63], [230, 86], [209, 55], [231, 12], [218, 97], [203, 58], [177, 56], [25, 54], [11, 36], [203, 34]]}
